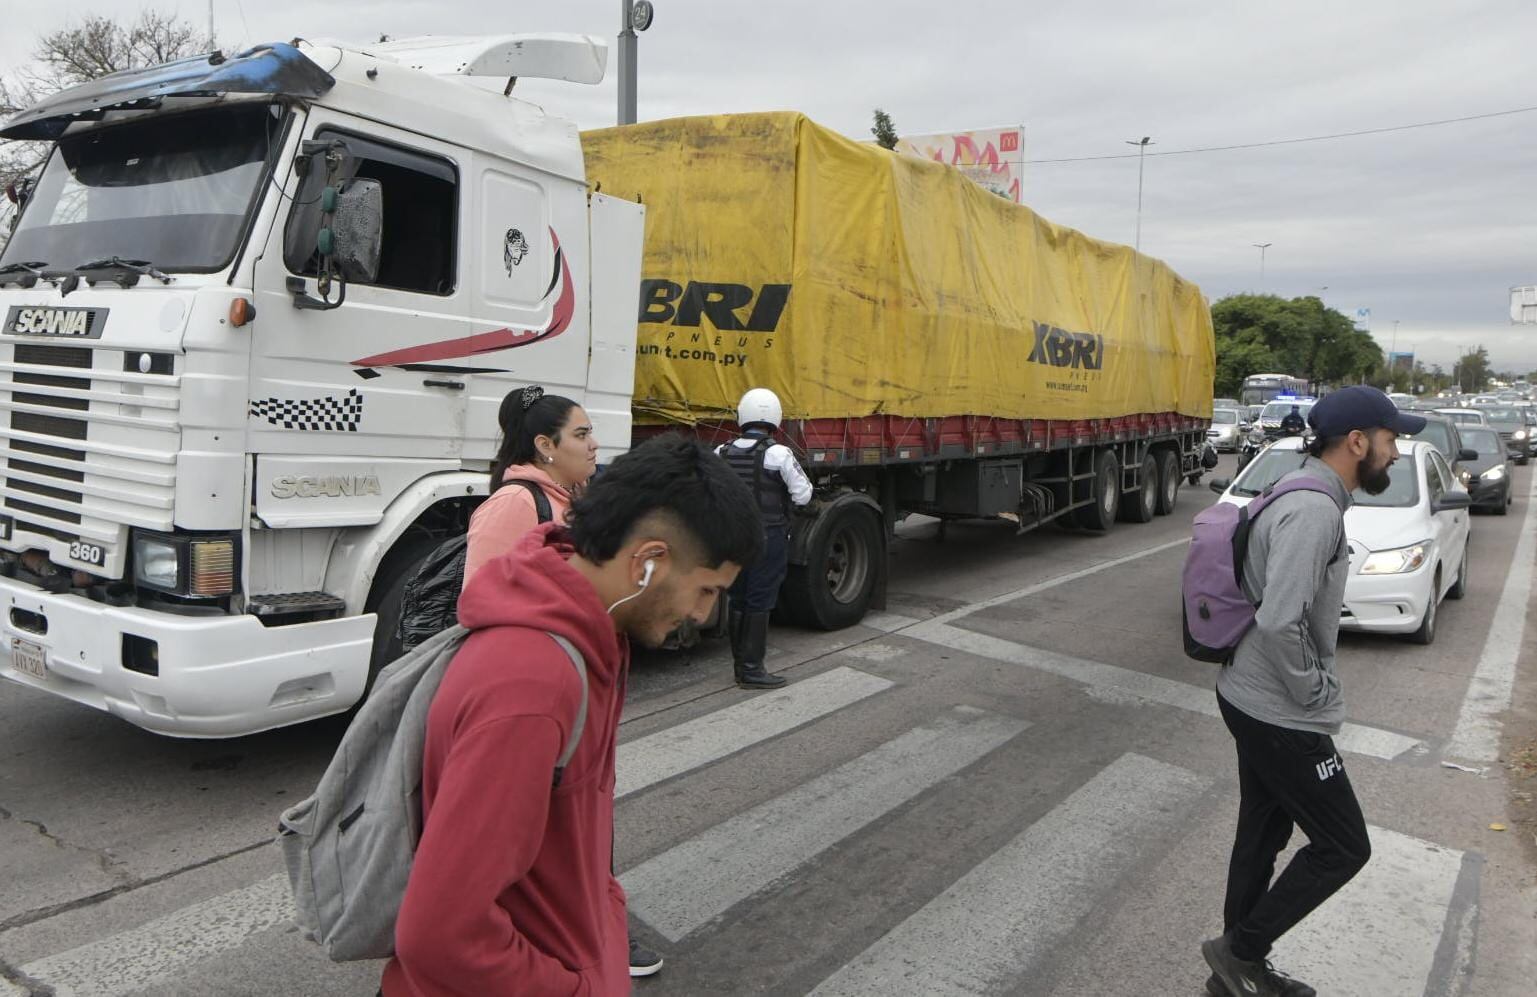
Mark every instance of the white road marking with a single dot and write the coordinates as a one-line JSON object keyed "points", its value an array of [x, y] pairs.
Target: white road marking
{"points": [[1019, 903], [140, 957], [693, 744], [1355, 738], [1377, 935], [689, 885], [1477, 735]]}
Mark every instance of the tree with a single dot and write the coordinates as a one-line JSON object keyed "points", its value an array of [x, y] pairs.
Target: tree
{"points": [[93, 48], [884, 131], [1297, 336], [1472, 370]]}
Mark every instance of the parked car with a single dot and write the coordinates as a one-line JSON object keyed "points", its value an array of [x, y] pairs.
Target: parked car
{"points": [[1443, 434], [1224, 433], [1408, 546], [1510, 423], [1488, 472]]}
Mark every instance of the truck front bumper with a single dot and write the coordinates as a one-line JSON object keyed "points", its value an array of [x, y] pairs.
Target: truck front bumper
{"points": [[213, 676]]}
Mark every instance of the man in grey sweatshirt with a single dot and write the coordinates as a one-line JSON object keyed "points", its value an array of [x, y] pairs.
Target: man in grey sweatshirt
{"points": [[1282, 702]]}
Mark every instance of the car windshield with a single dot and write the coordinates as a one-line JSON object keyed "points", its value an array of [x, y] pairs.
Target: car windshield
{"points": [[1465, 418], [1503, 415], [1224, 417], [1485, 441], [1439, 435], [1266, 469], [174, 191], [1276, 411]]}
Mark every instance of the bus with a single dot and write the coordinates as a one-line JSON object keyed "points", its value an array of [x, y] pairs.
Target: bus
{"points": [[1261, 388]]}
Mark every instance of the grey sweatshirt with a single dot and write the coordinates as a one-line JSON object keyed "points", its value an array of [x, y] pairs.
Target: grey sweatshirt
{"points": [[1283, 670]]}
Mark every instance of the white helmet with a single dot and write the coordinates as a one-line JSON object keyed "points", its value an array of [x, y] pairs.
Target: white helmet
{"points": [[759, 405]]}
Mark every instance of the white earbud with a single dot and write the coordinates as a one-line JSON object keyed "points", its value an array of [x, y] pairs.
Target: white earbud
{"points": [[640, 586], [645, 579]]}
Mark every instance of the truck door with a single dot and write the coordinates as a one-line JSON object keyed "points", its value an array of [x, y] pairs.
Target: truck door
{"points": [[313, 390]]}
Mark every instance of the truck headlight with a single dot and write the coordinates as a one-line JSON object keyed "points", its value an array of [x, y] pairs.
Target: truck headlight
{"points": [[1494, 473], [157, 563], [1396, 562], [202, 567]]}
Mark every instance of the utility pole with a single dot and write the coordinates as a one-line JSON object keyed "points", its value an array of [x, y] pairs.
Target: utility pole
{"points": [[636, 15], [1141, 158], [1262, 246]]}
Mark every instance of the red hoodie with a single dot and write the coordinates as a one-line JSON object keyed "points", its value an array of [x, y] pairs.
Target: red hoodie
{"points": [[512, 890]]}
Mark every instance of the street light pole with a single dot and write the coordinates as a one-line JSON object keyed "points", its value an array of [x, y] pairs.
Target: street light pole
{"points": [[627, 55], [1141, 158], [1262, 246]]}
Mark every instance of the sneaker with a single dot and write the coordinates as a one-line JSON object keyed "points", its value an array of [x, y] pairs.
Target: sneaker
{"points": [[1283, 984], [1242, 979], [643, 961]]}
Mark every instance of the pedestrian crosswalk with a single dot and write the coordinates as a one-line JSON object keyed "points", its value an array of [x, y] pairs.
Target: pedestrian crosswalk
{"points": [[991, 922]]}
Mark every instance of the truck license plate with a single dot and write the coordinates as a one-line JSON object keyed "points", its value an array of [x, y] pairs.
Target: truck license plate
{"points": [[29, 658]]}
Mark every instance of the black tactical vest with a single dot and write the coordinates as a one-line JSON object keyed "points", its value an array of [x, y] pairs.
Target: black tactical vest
{"points": [[773, 495]]}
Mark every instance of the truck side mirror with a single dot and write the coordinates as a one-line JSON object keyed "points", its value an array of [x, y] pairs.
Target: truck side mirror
{"points": [[355, 236]]}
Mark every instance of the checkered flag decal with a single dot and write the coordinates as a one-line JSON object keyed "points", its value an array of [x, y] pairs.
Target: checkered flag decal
{"points": [[334, 415]]}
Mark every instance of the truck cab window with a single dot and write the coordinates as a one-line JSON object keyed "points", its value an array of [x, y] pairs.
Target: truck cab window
{"points": [[420, 215]]}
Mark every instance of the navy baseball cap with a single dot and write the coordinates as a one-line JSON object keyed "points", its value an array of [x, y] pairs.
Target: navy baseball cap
{"points": [[1360, 406]]}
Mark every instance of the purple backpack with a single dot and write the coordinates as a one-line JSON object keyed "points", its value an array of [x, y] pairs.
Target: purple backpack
{"points": [[1216, 611]]}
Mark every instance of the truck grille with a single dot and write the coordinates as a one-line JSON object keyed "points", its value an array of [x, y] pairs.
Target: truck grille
{"points": [[88, 447]]}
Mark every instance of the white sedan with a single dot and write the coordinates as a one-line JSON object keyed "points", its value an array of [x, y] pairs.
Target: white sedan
{"points": [[1408, 546]]}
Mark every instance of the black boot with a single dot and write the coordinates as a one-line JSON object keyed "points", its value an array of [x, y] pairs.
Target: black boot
{"points": [[736, 629], [750, 673]]}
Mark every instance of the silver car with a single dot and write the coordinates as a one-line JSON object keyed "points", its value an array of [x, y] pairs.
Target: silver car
{"points": [[1224, 434]]}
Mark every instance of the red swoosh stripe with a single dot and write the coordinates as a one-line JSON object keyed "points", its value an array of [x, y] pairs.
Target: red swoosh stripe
{"points": [[489, 342]]}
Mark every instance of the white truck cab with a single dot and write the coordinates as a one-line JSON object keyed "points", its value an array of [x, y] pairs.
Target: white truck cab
{"points": [[259, 313]]}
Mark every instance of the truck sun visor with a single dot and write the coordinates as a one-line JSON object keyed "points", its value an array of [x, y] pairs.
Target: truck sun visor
{"points": [[278, 69]]}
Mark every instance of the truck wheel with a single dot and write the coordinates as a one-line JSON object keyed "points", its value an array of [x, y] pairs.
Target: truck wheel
{"points": [[385, 599], [1168, 481], [1100, 514], [1140, 504], [834, 588]]}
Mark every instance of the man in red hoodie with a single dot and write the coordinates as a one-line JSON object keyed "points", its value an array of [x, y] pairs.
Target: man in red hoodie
{"points": [[512, 890]]}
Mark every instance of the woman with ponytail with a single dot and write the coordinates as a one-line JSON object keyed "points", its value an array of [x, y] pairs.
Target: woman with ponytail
{"points": [[546, 440]]}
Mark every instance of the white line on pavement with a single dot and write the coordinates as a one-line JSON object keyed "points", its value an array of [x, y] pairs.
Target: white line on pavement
{"points": [[693, 744], [135, 959], [1355, 738], [689, 885], [1377, 935], [1477, 735], [1015, 906]]}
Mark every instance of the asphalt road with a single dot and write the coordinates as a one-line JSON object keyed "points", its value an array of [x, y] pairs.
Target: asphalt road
{"points": [[1011, 782]]}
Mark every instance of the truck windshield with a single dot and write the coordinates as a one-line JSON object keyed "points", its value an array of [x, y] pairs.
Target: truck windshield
{"points": [[174, 191]]}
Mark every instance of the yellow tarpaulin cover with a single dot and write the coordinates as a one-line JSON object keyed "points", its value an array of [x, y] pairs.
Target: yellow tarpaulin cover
{"points": [[854, 281]]}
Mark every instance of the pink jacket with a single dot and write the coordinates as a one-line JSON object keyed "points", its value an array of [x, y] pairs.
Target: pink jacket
{"points": [[507, 515]]}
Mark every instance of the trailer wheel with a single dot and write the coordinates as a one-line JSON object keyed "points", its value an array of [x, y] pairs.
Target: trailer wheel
{"points": [[1169, 478], [1140, 504], [385, 598], [833, 589], [1100, 514]]}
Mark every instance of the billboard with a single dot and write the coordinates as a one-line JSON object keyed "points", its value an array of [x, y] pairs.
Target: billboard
{"points": [[993, 158], [1401, 361], [1363, 319], [1523, 305]]}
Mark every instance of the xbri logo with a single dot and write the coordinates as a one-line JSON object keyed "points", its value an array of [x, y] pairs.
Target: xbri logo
{"points": [[664, 301], [1059, 348], [1329, 767]]}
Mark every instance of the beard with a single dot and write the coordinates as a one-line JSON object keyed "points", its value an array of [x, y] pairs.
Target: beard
{"points": [[1374, 479]]}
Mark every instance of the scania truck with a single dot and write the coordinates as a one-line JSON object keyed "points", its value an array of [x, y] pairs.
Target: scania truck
{"points": [[260, 310]]}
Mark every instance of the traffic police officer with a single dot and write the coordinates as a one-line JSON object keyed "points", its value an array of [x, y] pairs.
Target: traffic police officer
{"points": [[1293, 424], [778, 482]]}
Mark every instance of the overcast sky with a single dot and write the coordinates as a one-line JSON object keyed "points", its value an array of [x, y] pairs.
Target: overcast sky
{"points": [[1429, 226]]}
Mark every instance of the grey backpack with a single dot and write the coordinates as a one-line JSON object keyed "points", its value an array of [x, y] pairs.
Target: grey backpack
{"points": [[349, 847]]}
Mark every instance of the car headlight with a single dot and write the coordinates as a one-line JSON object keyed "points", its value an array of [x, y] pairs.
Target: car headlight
{"points": [[1465, 478], [202, 567], [1396, 562], [1519, 434], [1494, 473]]}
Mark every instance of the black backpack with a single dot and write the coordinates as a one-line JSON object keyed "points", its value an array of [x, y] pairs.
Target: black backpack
{"points": [[430, 604]]}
